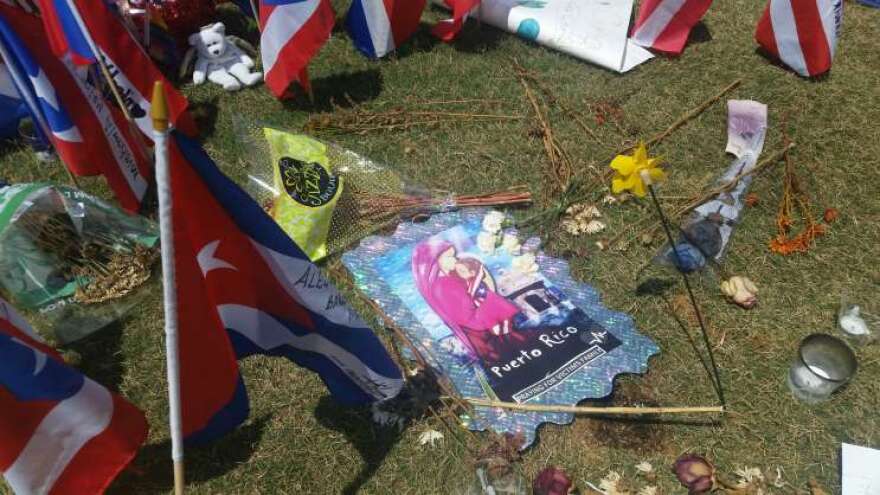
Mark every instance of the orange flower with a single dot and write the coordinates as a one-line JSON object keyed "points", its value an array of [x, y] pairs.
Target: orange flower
{"points": [[799, 243]]}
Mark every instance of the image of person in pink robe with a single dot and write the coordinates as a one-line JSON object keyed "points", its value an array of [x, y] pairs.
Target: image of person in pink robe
{"points": [[462, 293]]}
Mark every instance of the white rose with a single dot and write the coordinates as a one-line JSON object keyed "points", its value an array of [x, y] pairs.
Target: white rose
{"points": [[492, 221], [510, 243], [486, 242], [524, 263]]}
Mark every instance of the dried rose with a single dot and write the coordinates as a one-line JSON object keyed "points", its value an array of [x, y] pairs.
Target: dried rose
{"points": [[830, 215], [695, 472], [552, 481], [741, 291]]}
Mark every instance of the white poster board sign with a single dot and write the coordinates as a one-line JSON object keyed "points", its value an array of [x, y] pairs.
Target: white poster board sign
{"points": [[591, 30]]}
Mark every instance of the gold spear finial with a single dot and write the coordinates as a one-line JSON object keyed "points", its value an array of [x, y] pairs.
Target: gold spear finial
{"points": [[159, 108]]}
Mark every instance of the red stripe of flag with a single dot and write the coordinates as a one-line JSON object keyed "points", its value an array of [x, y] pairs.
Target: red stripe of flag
{"points": [[764, 34], [18, 422], [811, 34], [675, 36], [103, 457], [300, 49]]}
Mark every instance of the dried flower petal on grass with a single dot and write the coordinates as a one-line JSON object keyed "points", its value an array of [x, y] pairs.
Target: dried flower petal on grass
{"points": [[430, 437], [613, 199], [695, 472], [552, 481], [741, 291], [647, 470], [612, 484], [778, 482], [816, 488], [830, 215], [750, 475], [581, 218]]}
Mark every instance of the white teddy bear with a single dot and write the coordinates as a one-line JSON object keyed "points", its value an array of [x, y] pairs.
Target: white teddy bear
{"points": [[220, 60]]}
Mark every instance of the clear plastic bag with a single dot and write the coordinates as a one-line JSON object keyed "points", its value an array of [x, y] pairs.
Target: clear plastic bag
{"points": [[327, 198], [77, 262]]}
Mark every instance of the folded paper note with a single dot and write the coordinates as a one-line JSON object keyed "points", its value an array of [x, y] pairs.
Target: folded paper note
{"points": [[504, 323]]}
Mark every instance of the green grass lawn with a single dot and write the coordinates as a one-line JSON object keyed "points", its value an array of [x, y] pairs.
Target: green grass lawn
{"points": [[298, 441]]}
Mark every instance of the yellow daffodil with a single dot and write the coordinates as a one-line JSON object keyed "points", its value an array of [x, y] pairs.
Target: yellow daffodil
{"points": [[629, 171]]}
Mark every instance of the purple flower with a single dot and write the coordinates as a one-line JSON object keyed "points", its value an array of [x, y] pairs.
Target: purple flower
{"points": [[552, 481], [695, 472]]}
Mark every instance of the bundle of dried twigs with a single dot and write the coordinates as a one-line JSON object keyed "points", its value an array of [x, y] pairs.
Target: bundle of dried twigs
{"points": [[106, 266], [409, 206], [559, 161], [794, 198], [357, 120]]}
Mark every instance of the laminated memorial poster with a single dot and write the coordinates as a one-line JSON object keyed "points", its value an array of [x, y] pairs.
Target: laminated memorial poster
{"points": [[504, 323], [592, 30]]}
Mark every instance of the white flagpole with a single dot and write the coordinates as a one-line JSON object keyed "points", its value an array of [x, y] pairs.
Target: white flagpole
{"points": [[159, 114]]}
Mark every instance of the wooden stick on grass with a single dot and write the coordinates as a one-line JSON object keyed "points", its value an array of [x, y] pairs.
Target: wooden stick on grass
{"points": [[595, 410], [694, 113]]}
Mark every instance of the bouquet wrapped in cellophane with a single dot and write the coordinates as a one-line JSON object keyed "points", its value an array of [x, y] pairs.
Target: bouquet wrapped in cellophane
{"points": [[327, 198]]}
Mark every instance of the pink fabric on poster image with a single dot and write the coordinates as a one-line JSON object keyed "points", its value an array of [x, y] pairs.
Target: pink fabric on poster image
{"points": [[462, 293], [665, 25]]}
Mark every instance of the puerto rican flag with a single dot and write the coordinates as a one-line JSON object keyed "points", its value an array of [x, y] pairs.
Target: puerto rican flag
{"points": [[28, 76], [90, 136], [245, 288], [12, 107], [131, 68], [60, 432], [801, 33], [664, 25], [65, 35], [292, 33], [448, 29], [378, 27]]}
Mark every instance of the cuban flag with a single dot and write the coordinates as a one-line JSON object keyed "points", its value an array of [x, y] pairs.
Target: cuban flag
{"points": [[292, 33], [664, 25], [60, 432], [12, 107], [448, 29], [378, 27], [801, 33], [245, 288], [90, 136], [131, 68]]}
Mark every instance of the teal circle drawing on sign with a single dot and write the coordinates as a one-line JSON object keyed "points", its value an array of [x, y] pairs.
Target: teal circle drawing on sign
{"points": [[528, 29]]}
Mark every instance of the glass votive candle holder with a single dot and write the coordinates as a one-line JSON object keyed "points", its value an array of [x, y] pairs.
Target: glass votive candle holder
{"points": [[822, 365]]}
